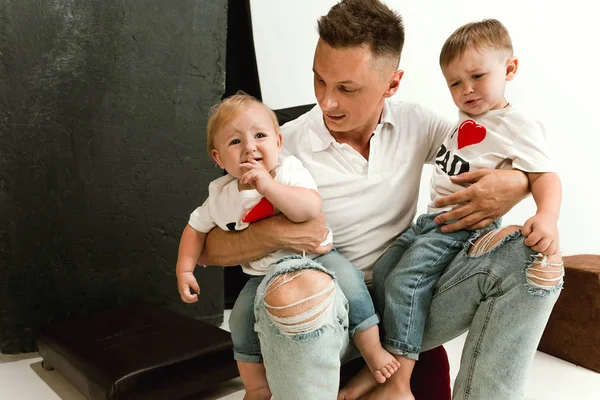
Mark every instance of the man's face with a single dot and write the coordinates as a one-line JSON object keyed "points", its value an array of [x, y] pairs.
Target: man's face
{"points": [[350, 86]]}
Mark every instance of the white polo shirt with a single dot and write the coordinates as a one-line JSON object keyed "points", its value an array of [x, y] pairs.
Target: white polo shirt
{"points": [[368, 203]]}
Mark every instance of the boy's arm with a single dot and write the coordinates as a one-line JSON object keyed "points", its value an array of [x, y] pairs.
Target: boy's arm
{"points": [[541, 230], [297, 203], [546, 189], [190, 248], [264, 237]]}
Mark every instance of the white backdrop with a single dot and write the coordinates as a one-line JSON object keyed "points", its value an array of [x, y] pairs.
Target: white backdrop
{"points": [[557, 81]]}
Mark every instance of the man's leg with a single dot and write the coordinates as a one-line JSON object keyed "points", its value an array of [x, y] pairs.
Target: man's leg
{"points": [[503, 293], [302, 323], [362, 318]]}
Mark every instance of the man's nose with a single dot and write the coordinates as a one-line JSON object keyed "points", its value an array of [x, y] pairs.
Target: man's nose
{"points": [[328, 100]]}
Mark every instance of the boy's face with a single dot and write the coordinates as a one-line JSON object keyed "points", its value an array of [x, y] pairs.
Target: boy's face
{"points": [[477, 79], [350, 86], [251, 134]]}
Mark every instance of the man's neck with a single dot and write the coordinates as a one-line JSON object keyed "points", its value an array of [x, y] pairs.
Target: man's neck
{"points": [[359, 139]]}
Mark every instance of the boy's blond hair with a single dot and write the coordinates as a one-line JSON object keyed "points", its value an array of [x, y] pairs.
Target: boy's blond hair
{"points": [[222, 113], [487, 33]]}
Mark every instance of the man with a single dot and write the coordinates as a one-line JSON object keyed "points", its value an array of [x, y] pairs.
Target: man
{"points": [[366, 153]]}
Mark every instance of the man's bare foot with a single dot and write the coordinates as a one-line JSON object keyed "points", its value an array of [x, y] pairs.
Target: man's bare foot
{"points": [[262, 393], [381, 363], [387, 391], [359, 385]]}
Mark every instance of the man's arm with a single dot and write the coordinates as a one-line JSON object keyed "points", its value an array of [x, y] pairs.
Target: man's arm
{"points": [[264, 237], [492, 194]]}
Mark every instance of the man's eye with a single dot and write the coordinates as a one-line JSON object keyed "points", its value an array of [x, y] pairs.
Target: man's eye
{"points": [[234, 141], [346, 90]]}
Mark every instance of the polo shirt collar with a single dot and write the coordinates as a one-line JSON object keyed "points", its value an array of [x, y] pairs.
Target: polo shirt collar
{"points": [[319, 136]]}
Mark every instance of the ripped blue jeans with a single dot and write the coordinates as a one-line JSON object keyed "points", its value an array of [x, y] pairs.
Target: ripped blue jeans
{"points": [[246, 346], [489, 293], [404, 290]]}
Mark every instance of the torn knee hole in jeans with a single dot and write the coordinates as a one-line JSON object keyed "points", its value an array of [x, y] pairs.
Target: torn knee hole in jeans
{"points": [[305, 321], [543, 277], [490, 240]]}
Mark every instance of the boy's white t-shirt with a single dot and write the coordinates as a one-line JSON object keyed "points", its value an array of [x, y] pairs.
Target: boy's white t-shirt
{"points": [[231, 209], [499, 139]]}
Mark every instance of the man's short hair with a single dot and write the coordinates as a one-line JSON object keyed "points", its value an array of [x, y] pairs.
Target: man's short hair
{"points": [[487, 33], [222, 113], [352, 23]]}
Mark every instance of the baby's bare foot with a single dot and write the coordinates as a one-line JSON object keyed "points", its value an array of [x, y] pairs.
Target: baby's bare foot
{"points": [[262, 393], [381, 363]]}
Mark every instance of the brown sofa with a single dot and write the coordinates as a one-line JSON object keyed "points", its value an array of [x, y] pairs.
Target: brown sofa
{"points": [[573, 330]]}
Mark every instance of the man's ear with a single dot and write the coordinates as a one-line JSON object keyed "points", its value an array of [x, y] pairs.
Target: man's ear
{"points": [[512, 65], [394, 83], [215, 155]]}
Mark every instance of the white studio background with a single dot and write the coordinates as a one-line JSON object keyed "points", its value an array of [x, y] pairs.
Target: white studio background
{"points": [[557, 81]]}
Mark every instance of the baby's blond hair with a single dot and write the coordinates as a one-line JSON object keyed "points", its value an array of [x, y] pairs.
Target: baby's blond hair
{"points": [[487, 33], [222, 113]]}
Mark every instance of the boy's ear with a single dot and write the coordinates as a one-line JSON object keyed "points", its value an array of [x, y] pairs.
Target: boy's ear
{"points": [[279, 139], [512, 65], [394, 83], [215, 155]]}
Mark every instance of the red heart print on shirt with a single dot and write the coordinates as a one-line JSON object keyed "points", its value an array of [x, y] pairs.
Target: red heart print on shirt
{"points": [[470, 132], [263, 209]]}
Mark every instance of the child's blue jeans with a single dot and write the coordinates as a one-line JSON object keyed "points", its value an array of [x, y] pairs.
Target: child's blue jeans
{"points": [[403, 292], [246, 346]]}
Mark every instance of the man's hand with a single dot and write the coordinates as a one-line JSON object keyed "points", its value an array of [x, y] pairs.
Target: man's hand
{"points": [[186, 282], [303, 236], [492, 194], [541, 232]]}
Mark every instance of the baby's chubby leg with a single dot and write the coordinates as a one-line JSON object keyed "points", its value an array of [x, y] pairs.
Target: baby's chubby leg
{"points": [[254, 379]]}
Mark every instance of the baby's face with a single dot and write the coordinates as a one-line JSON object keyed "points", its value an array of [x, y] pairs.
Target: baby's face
{"points": [[250, 135], [477, 79]]}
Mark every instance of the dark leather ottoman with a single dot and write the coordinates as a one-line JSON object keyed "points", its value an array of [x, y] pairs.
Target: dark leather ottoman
{"points": [[140, 352], [573, 330]]}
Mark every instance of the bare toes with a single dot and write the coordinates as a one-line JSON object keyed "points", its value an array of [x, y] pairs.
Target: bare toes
{"points": [[379, 377]]}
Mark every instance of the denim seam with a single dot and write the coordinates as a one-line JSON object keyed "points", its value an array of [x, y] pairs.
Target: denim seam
{"points": [[412, 305], [398, 347], [250, 358], [381, 298], [477, 349], [366, 324], [462, 278]]}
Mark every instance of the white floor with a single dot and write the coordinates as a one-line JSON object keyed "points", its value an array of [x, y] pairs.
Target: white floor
{"points": [[23, 378]]}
